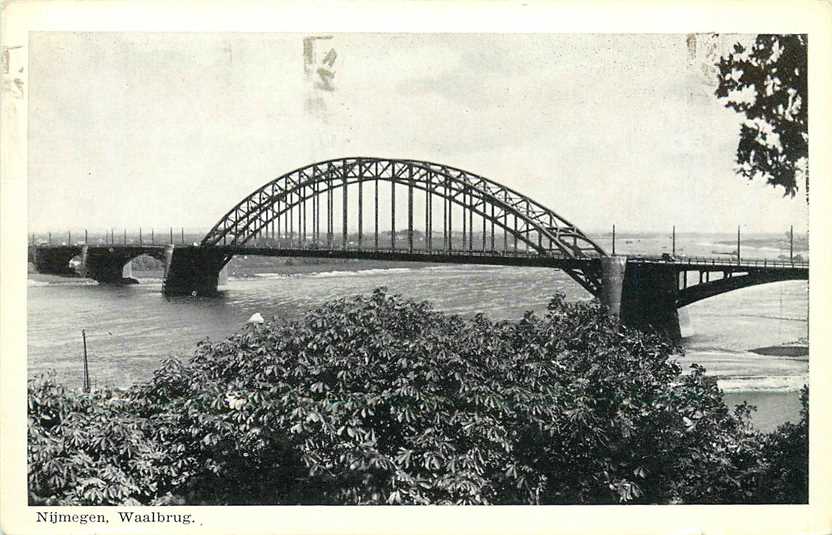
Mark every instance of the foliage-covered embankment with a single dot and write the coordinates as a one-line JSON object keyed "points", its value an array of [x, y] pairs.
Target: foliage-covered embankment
{"points": [[380, 400]]}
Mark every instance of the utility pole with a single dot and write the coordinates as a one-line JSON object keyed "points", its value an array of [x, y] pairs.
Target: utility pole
{"points": [[791, 244], [738, 245], [674, 241], [86, 366], [613, 240]]}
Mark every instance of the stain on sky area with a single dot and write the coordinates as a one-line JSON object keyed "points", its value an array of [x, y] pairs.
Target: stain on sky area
{"points": [[12, 74], [704, 51], [319, 57]]}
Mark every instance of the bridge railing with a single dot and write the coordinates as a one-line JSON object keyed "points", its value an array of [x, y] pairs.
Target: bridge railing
{"points": [[713, 261], [505, 253], [520, 253]]}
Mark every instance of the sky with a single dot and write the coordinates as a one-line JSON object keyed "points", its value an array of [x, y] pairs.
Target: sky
{"points": [[171, 130]]}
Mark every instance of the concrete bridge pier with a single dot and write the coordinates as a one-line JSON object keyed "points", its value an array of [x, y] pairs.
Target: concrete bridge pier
{"points": [[642, 295], [193, 270], [168, 259], [54, 260], [108, 265]]}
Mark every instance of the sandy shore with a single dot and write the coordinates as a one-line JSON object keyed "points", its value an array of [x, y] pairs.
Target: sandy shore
{"points": [[786, 350]]}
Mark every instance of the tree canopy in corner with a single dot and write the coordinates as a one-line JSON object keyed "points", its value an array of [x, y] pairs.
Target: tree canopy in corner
{"points": [[768, 84]]}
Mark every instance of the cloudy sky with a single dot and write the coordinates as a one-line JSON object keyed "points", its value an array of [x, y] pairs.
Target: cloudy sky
{"points": [[159, 130]]}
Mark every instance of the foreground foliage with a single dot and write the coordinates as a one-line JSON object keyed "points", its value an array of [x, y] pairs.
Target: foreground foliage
{"points": [[381, 400]]}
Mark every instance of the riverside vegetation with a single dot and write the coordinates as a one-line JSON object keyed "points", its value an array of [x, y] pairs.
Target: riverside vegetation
{"points": [[377, 399]]}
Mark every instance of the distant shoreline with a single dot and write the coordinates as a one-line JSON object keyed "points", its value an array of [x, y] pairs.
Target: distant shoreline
{"points": [[250, 267], [244, 269], [800, 243]]}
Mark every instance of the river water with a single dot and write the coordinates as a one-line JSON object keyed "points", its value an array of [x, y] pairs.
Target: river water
{"points": [[131, 329]]}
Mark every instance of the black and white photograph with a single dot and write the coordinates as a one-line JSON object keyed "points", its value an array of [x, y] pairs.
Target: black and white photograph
{"points": [[390, 268]]}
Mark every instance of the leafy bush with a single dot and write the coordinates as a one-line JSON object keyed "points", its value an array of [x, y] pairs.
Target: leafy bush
{"points": [[381, 400], [89, 449]]}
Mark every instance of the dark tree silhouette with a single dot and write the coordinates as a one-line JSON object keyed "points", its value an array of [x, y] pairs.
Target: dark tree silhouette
{"points": [[768, 84]]}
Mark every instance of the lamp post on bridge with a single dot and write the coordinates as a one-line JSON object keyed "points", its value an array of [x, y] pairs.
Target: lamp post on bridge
{"points": [[673, 247], [791, 244], [739, 256], [613, 240]]}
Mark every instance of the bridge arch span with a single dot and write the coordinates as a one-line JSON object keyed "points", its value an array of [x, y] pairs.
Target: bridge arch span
{"points": [[538, 227], [716, 287]]}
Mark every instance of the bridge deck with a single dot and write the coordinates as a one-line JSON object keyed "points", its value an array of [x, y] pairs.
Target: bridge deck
{"points": [[704, 263], [460, 256]]}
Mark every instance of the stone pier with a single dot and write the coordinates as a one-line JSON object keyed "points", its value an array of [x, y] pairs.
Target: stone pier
{"points": [[642, 295], [55, 260], [193, 270]]}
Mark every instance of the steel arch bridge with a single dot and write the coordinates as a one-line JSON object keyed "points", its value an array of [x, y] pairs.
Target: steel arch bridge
{"points": [[282, 208], [314, 211]]}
